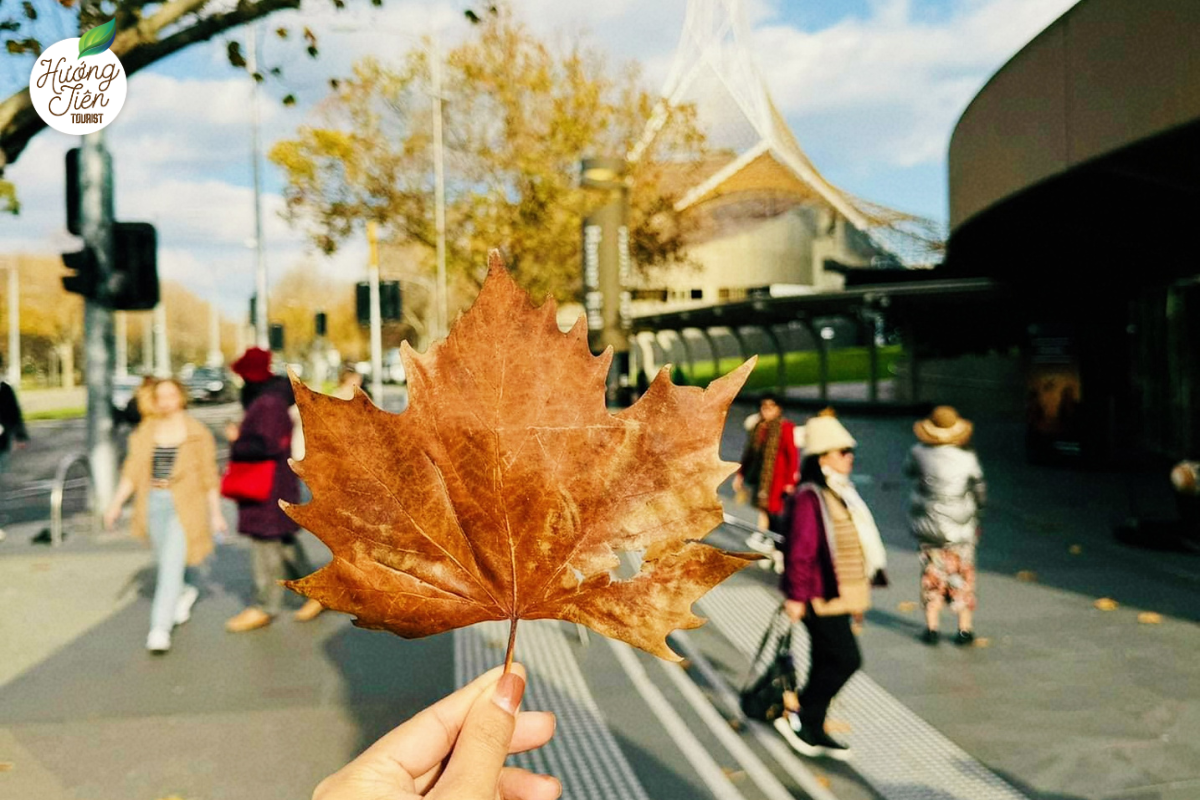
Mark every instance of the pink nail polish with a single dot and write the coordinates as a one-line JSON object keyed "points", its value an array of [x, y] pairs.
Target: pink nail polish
{"points": [[509, 691]]}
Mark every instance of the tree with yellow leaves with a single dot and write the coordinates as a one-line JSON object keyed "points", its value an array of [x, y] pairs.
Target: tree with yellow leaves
{"points": [[520, 114]]}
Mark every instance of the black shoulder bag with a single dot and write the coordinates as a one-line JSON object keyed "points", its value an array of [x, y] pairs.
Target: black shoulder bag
{"points": [[763, 699]]}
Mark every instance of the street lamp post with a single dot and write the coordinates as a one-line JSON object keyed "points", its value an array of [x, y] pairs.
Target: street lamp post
{"points": [[260, 256], [376, 316], [606, 269], [439, 184], [433, 53]]}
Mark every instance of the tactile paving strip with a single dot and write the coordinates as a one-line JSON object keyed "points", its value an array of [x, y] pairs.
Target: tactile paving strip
{"points": [[898, 753], [583, 754]]}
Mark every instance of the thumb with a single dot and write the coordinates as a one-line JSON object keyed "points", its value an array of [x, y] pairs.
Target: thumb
{"points": [[473, 772]]}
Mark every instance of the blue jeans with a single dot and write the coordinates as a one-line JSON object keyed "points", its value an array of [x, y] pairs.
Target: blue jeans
{"points": [[170, 548]]}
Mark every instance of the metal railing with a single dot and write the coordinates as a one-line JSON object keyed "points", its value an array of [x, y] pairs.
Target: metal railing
{"points": [[58, 489]]}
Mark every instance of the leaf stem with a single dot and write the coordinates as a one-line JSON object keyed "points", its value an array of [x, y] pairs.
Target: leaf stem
{"points": [[512, 644]]}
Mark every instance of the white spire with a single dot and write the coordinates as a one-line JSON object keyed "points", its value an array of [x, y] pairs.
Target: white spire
{"points": [[714, 69]]}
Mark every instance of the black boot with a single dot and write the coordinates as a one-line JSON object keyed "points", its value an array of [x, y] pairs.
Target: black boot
{"points": [[930, 636]]}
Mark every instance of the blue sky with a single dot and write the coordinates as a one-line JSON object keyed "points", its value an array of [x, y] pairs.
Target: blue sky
{"points": [[871, 88]]}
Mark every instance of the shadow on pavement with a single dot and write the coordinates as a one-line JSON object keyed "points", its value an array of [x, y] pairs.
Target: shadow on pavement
{"points": [[386, 679]]}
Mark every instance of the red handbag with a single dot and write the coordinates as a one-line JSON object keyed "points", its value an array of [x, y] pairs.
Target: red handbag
{"points": [[248, 481]]}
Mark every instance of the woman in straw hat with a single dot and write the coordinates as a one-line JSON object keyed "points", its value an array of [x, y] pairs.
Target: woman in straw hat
{"points": [[832, 556], [944, 515]]}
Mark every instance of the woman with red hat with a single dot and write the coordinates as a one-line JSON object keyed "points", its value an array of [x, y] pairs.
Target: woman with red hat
{"points": [[266, 436]]}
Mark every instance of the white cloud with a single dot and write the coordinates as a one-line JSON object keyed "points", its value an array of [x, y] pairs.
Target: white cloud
{"points": [[880, 93], [889, 86]]}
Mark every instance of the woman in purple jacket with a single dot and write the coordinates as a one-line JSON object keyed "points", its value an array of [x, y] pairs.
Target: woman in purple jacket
{"points": [[832, 556], [266, 435]]}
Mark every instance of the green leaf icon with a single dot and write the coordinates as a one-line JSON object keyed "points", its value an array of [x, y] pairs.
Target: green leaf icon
{"points": [[98, 39]]}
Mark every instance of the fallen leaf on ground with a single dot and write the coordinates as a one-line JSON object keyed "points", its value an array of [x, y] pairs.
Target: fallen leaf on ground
{"points": [[983, 641], [906, 606], [1106, 604], [6, 766], [733, 774], [1150, 618], [1027, 575], [837, 726], [1075, 549], [737, 725], [507, 490], [824, 781]]}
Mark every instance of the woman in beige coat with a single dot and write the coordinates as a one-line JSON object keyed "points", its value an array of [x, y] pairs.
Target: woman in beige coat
{"points": [[171, 469]]}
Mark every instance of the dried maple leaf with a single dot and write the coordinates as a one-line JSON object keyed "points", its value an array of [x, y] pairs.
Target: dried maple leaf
{"points": [[506, 490]]}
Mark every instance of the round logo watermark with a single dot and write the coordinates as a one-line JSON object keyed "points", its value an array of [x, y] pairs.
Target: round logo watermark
{"points": [[78, 88]]}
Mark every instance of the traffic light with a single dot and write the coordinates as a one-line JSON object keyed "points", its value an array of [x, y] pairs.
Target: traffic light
{"points": [[362, 303], [275, 336], [85, 278], [133, 285], [390, 306], [73, 193], [389, 301], [321, 323]]}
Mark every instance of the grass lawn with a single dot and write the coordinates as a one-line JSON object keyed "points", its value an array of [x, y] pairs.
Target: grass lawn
{"points": [[57, 413], [803, 368]]}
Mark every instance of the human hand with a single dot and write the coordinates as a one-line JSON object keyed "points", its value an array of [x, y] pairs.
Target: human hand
{"points": [[231, 431], [794, 609], [738, 483], [111, 516], [454, 750], [219, 526]]}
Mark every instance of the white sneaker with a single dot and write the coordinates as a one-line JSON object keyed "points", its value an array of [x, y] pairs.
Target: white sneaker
{"points": [[183, 606], [158, 642], [759, 543], [806, 743]]}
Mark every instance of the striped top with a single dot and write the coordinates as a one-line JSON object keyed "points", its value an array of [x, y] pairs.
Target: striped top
{"points": [[164, 462], [854, 592]]}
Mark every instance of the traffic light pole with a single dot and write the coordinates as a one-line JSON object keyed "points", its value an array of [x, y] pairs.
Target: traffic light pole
{"points": [[260, 270], [96, 216], [376, 315]]}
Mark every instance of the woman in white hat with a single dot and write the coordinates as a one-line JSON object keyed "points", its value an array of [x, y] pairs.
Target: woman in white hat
{"points": [[944, 516], [832, 556]]}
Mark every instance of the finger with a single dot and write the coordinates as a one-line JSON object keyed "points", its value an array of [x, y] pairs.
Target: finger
{"points": [[473, 772], [534, 729], [420, 744], [521, 784]]}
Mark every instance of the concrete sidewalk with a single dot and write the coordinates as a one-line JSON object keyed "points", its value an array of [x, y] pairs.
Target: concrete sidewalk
{"points": [[1064, 700]]}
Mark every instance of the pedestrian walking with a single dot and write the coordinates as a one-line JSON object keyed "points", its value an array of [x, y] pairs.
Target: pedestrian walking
{"points": [[946, 502], [768, 470], [12, 428], [349, 379], [264, 440], [832, 556], [143, 398], [171, 470]]}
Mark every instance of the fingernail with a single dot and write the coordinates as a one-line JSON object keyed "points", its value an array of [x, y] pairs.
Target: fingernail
{"points": [[509, 691]]}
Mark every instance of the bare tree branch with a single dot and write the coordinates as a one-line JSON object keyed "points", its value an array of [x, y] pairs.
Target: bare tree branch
{"points": [[138, 47]]}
